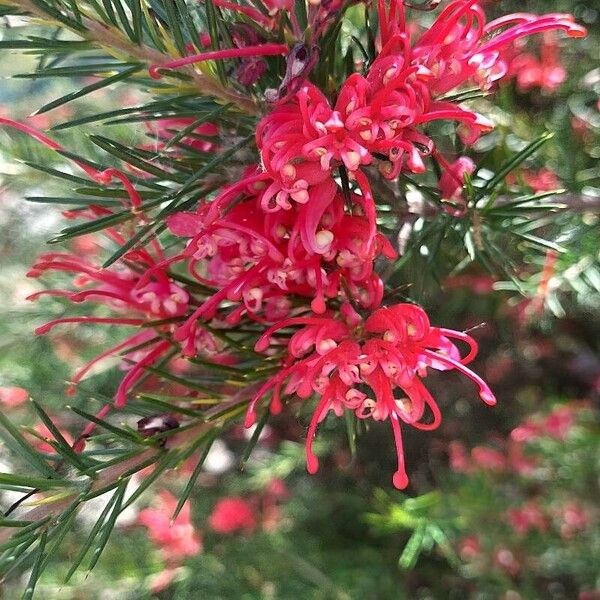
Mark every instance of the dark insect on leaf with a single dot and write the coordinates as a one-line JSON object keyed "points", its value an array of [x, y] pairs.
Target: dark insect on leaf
{"points": [[150, 426]]}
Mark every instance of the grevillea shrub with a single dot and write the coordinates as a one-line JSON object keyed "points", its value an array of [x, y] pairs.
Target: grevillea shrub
{"points": [[248, 247]]}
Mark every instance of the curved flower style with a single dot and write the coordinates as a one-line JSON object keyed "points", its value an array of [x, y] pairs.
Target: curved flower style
{"points": [[359, 365], [159, 298]]}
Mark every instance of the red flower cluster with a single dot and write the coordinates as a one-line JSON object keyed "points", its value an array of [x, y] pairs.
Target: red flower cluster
{"points": [[295, 241], [359, 365]]}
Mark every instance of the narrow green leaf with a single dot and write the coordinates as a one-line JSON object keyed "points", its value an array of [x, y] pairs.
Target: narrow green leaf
{"points": [[59, 533], [33, 482], [192, 385], [110, 12], [91, 537], [21, 446], [441, 539], [125, 434], [169, 406], [79, 202], [538, 241], [59, 16], [512, 164], [91, 227], [127, 28], [137, 20], [173, 19], [82, 70], [193, 126], [4, 522], [62, 446], [35, 571], [168, 461], [524, 200], [213, 30], [254, 439], [108, 527], [129, 156], [38, 43], [192, 480], [98, 85], [57, 173], [301, 13], [193, 35], [413, 548]]}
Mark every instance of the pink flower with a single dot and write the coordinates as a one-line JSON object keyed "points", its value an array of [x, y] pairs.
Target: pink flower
{"points": [[148, 296], [544, 72], [276, 490], [459, 459], [573, 519], [520, 463], [477, 284], [469, 548], [304, 245], [526, 432], [526, 518], [233, 514], [488, 459], [13, 396], [458, 47], [545, 180], [360, 366], [559, 422], [177, 539], [507, 561]]}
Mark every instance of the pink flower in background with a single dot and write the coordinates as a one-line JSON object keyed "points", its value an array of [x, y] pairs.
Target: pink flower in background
{"points": [[177, 539], [573, 518], [528, 517], [528, 431], [233, 514], [45, 432], [459, 458], [544, 180], [477, 284], [11, 397], [521, 463], [488, 459], [469, 548], [545, 72], [559, 422], [165, 129], [276, 490], [506, 560]]}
